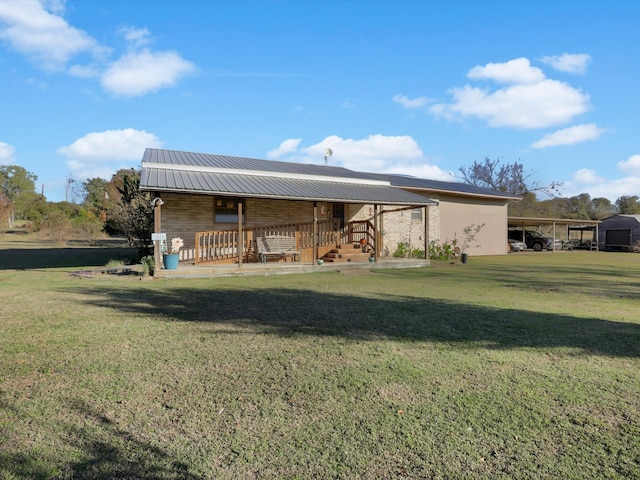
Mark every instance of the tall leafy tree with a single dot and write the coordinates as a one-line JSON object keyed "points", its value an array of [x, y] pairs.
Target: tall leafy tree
{"points": [[95, 192], [580, 206], [15, 181], [628, 205], [601, 208]]}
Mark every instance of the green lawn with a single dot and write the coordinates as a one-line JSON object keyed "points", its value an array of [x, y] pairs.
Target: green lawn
{"points": [[521, 366]]}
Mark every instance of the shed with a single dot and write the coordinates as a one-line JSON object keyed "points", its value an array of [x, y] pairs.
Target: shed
{"points": [[620, 232]]}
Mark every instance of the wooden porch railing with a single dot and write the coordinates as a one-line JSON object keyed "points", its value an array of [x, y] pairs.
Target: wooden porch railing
{"points": [[223, 245], [220, 245], [359, 231]]}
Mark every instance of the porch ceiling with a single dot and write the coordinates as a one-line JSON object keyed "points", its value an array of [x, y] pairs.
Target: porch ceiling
{"points": [[200, 181]]}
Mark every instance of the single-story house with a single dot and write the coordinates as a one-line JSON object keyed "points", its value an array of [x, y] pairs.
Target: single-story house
{"points": [[220, 205], [619, 232]]}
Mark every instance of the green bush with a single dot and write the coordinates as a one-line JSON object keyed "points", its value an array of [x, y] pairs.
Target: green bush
{"points": [[148, 265], [402, 250], [445, 251]]}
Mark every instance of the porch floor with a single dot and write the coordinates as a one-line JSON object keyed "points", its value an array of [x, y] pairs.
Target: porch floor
{"points": [[189, 270]]}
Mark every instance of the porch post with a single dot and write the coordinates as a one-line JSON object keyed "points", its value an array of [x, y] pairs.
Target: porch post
{"points": [[376, 231], [240, 236], [157, 228], [426, 233], [315, 231]]}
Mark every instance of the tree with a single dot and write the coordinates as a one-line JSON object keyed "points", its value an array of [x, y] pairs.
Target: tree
{"points": [[5, 206], [507, 178], [133, 213], [628, 205], [580, 206], [95, 192], [14, 182], [601, 208]]}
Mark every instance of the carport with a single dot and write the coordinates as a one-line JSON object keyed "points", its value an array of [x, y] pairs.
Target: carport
{"points": [[567, 225]]}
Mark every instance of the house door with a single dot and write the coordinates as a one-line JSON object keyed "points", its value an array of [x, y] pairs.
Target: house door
{"points": [[337, 212]]}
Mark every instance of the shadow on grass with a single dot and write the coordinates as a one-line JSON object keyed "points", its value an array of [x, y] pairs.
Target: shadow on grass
{"points": [[603, 280], [107, 452], [290, 312], [55, 257]]}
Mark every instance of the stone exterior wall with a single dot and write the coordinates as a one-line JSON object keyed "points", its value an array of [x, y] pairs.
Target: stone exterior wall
{"points": [[399, 226], [183, 215]]}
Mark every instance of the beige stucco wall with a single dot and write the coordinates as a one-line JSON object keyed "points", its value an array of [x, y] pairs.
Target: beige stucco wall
{"points": [[456, 213]]}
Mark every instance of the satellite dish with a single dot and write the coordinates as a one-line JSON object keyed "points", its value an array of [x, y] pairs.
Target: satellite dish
{"points": [[327, 153]]}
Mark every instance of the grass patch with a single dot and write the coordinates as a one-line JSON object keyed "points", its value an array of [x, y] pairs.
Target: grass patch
{"points": [[522, 366]]}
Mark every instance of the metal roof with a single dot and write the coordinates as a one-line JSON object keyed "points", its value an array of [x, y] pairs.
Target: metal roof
{"points": [[536, 221], [174, 171], [406, 181], [205, 160]]}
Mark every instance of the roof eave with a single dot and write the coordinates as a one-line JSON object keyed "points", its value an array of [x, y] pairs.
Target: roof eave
{"points": [[426, 203]]}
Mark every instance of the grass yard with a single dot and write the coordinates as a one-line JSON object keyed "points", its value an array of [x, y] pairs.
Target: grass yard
{"points": [[524, 366]]}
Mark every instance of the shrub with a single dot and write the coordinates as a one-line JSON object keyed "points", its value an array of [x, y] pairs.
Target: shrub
{"points": [[402, 250], [445, 251], [148, 265]]}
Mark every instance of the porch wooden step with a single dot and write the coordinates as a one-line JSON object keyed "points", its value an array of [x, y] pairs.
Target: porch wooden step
{"points": [[347, 255], [349, 246]]}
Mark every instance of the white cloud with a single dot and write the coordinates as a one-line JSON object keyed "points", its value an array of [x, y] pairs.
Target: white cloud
{"points": [[611, 189], [631, 165], [570, 136], [37, 29], [285, 148], [570, 63], [376, 154], [6, 153], [101, 154], [42, 35], [587, 176], [406, 102], [529, 101], [587, 180], [516, 71], [84, 71], [144, 72], [137, 37]]}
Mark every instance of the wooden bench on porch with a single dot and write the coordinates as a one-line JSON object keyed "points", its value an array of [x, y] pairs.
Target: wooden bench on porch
{"points": [[277, 246]]}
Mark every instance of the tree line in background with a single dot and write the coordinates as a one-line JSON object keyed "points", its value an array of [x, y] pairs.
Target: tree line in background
{"points": [[107, 207], [510, 178], [118, 207]]}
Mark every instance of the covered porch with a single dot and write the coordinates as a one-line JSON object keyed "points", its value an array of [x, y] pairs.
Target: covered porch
{"points": [[329, 240], [222, 206]]}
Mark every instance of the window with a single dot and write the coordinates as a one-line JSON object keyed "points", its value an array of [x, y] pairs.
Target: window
{"points": [[226, 210], [416, 214]]}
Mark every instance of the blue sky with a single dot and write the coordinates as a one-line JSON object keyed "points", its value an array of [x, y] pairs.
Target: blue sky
{"points": [[414, 87]]}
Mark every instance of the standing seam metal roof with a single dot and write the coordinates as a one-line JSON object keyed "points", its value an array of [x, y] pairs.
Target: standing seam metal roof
{"points": [[172, 171]]}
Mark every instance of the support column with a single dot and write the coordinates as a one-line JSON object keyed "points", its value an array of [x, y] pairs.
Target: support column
{"points": [[376, 232], [157, 228], [426, 233], [315, 232], [240, 236]]}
